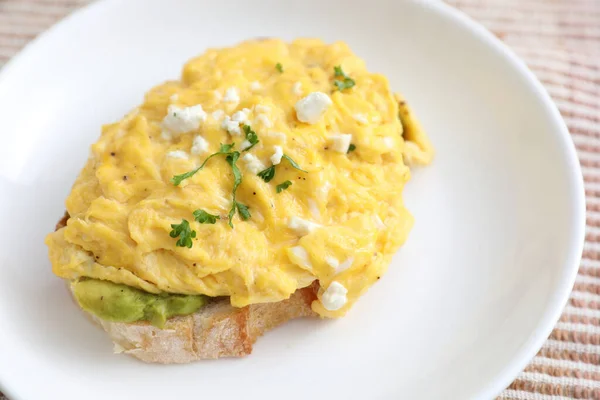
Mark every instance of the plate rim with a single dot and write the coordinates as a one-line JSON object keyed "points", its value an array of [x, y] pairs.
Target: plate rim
{"points": [[561, 296], [570, 269]]}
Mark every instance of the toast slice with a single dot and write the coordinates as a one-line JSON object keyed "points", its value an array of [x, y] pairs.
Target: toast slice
{"points": [[215, 330]]}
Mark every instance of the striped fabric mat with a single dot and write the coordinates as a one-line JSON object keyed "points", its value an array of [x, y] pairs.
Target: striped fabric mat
{"points": [[560, 41]]}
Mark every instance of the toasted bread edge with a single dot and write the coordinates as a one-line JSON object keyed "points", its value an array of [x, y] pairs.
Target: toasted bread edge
{"points": [[214, 331]]}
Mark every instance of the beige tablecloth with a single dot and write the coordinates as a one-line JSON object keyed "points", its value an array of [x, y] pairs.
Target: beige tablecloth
{"points": [[560, 41]]}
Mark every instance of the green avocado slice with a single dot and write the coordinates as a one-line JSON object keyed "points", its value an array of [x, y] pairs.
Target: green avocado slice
{"points": [[121, 303]]}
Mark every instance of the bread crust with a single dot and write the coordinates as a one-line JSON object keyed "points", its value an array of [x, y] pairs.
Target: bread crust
{"points": [[214, 331]]}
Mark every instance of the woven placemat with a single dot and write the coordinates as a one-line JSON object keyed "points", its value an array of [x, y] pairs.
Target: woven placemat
{"points": [[560, 41]]}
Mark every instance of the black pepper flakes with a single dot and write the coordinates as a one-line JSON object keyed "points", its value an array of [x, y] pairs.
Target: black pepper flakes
{"points": [[124, 177], [112, 153]]}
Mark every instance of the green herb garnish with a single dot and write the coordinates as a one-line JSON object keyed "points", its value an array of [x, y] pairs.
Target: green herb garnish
{"points": [[224, 149], [282, 186], [346, 83], [279, 67], [251, 137], [269, 173], [243, 211], [237, 179], [177, 179], [202, 216], [205, 218], [185, 233], [351, 148], [293, 163]]}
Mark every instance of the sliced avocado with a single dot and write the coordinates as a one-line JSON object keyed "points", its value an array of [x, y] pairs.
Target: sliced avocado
{"points": [[121, 303]]}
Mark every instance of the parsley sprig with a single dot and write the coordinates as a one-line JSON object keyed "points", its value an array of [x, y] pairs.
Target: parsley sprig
{"points": [[346, 82], [203, 217], [279, 67], [269, 173], [251, 137], [351, 148], [242, 209], [224, 149], [294, 164], [184, 232], [282, 186]]}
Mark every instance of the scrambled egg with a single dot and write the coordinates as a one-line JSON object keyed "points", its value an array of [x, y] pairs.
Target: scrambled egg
{"points": [[339, 222]]}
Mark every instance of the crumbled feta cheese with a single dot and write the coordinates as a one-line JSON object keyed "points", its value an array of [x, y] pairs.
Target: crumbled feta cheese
{"points": [[182, 120], [276, 157], [231, 96], [261, 108], [299, 256], [335, 264], [240, 116], [332, 261], [302, 226], [314, 209], [311, 108], [264, 120], [297, 89], [218, 114], [199, 145], [174, 97], [278, 135], [334, 297], [378, 222], [362, 118], [244, 145], [233, 127], [254, 86], [253, 164], [389, 142], [345, 265], [177, 154], [340, 142], [324, 190]]}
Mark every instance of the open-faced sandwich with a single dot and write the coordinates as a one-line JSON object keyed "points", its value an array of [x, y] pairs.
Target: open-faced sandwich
{"points": [[265, 185]]}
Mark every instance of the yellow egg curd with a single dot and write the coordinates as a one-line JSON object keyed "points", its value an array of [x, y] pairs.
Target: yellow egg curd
{"points": [[312, 149]]}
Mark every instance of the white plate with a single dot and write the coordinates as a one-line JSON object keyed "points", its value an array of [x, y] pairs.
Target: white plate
{"points": [[467, 302]]}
